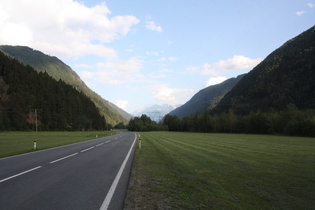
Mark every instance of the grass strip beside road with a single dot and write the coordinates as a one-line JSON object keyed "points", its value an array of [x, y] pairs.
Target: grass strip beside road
{"points": [[14, 143], [222, 171]]}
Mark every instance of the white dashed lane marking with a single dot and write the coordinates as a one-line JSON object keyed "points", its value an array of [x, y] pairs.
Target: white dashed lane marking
{"points": [[54, 161], [87, 149], [63, 158], [11, 177], [99, 145]]}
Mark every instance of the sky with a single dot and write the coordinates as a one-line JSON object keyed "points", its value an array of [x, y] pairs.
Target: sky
{"points": [[140, 53]]}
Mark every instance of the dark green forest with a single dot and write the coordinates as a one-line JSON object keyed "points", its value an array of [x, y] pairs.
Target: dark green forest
{"points": [[144, 123], [58, 105], [290, 121], [285, 76], [57, 69]]}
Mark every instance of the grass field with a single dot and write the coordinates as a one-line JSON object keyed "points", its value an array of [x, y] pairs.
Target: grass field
{"points": [[13, 143], [176, 170]]}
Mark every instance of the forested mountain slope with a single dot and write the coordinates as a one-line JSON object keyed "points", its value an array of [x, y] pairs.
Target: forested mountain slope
{"points": [[285, 77], [58, 106], [59, 70], [206, 98]]}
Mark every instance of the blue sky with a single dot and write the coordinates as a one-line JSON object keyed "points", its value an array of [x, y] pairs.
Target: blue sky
{"points": [[139, 53]]}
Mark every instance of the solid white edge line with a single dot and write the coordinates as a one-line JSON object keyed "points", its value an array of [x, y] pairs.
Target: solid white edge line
{"points": [[11, 177], [112, 189], [63, 158], [87, 149]]}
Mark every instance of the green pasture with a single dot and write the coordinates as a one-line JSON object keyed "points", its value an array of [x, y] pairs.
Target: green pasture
{"points": [[175, 170], [13, 143]]}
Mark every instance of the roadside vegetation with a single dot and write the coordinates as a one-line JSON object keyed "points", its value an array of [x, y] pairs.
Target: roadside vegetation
{"points": [[291, 121], [177, 170], [13, 143]]}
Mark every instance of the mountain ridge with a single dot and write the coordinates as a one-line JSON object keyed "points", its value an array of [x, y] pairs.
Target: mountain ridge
{"points": [[284, 77], [59, 70], [206, 98], [29, 98]]}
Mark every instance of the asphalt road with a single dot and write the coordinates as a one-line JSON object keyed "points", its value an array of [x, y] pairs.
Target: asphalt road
{"points": [[77, 176]]}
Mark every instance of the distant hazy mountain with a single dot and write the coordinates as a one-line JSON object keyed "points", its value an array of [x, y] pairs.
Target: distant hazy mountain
{"points": [[59, 70], [155, 112], [286, 76], [206, 98]]}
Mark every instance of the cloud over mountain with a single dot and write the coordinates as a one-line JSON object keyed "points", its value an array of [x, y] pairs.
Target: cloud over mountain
{"points": [[62, 27], [237, 62]]}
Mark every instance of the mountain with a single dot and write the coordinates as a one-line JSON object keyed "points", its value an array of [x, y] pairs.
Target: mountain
{"points": [[29, 99], [285, 77], [155, 112], [206, 98], [59, 70]]}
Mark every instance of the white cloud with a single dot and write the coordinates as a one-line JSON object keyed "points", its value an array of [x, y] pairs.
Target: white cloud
{"points": [[118, 71], [171, 95], [311, 5], [162, 73], [86, 74], [168, 59], [209, 69], [122, 104], [84, 66], [215, 80], [165, 94], [237, 62], [151, 26], [300, 13], [115, 71], [11, 33], [191, 70], [62, 27]]}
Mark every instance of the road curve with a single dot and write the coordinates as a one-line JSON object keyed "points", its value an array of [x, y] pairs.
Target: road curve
{"points": [[87, 175]]}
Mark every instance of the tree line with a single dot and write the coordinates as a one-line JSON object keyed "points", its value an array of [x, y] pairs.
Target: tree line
{"points": [[144, 123], [58, 105], [290, 121]]}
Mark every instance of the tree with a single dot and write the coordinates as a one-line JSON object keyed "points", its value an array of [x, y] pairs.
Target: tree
{"points": [[62, 107], [120, 125], [172, 122], [144, 123], [205, 122]]}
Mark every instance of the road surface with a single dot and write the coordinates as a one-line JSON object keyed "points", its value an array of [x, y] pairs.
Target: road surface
{"points": [[87, 175]]}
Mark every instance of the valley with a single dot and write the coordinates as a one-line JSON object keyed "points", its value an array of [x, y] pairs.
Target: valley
{"points": [[71, 73]]}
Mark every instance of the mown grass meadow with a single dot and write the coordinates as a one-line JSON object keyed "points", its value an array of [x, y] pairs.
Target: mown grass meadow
{"points": [[13, 143], [179, 170]]}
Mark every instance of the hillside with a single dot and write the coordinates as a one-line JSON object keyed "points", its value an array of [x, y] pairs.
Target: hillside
{"points": [[58, 70], [29, 98], [206, 98], [285, 77]]}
